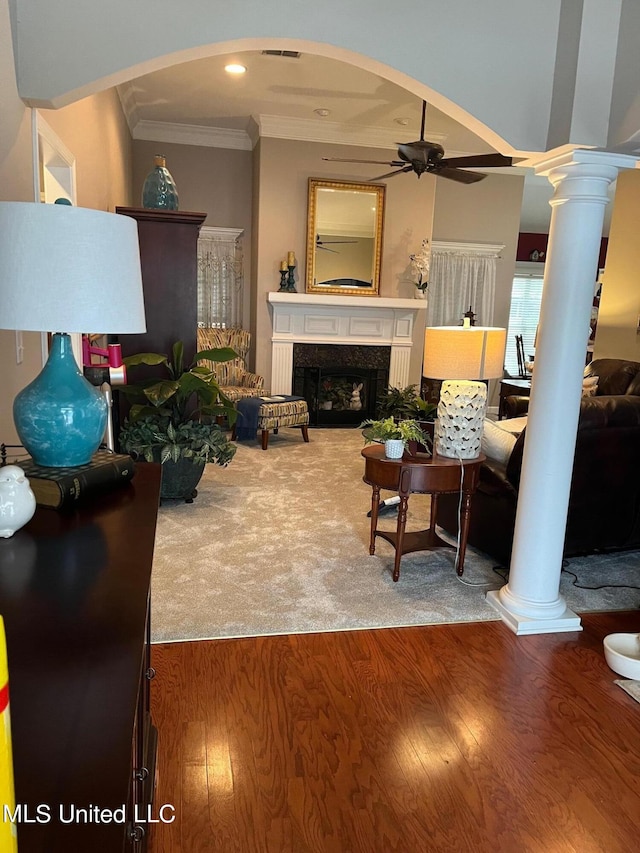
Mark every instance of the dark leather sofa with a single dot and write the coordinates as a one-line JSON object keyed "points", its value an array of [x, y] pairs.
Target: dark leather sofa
{"points": [[604, 503]]}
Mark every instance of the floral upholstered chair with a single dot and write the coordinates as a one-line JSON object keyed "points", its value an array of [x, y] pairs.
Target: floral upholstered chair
{"points": [[233, 377]]}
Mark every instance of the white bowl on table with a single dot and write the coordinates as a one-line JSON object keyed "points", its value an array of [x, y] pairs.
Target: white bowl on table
{"points": [[622, 653]]}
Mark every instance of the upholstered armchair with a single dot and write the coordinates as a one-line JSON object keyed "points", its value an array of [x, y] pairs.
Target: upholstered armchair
{"points": [[233, 377]]}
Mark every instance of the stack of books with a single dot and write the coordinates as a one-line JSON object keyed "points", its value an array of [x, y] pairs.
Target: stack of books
{"points": [[61, 488]]}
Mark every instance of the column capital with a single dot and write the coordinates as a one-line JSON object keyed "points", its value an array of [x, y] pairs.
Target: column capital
{"points": [[593, 162]]}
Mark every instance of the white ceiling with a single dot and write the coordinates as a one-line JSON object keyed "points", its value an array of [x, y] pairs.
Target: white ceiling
{"points": [[200, 103]]}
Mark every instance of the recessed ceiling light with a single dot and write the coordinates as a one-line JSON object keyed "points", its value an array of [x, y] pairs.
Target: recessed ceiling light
{"points": [[235, 68], [403, 121], [322, 112]]}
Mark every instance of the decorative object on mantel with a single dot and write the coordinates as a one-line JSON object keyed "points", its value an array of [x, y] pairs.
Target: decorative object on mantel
{"points": [[17, 501], [455, 353], [287, 280], [420, 268], [470, 316], [159, 189]]}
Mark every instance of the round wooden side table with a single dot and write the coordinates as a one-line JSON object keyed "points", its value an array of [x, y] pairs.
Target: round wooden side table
{"points": [[419, 474]]}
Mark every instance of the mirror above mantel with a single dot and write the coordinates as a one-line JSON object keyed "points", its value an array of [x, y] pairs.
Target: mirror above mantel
{"points": [[344, 237]]}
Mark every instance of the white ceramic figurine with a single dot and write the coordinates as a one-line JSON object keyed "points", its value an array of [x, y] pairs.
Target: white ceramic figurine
{"points": [[17, 501], [356, 403]]}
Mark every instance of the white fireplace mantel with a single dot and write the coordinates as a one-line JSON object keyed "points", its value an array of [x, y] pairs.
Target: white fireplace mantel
{"points": [[341, 320]]}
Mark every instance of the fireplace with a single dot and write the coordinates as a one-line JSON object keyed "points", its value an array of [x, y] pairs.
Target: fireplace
{"points": [[340, 383], [361, 326]]}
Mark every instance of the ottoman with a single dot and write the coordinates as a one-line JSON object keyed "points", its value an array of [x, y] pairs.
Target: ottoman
{"points": [[270, 413]]}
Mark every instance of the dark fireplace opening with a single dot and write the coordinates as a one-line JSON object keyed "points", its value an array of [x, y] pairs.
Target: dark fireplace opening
{"points": [[341, 384]]}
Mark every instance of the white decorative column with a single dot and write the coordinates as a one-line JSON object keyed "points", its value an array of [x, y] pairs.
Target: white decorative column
{"points": [[530, 603]]}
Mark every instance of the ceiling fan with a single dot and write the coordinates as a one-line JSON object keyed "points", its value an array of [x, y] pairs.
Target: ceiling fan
{"points": [[424, 156], [322, 244]]}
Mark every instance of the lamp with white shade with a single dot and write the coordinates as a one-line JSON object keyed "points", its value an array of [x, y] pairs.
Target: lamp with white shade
{"points": [[66, 269], [463, 356]]}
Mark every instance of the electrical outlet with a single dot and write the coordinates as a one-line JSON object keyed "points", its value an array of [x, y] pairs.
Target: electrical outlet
{"points": [[19, 348]]}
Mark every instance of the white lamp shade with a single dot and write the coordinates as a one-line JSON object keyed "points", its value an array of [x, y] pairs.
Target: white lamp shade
{"points": [[456, 352], [69, 269]]}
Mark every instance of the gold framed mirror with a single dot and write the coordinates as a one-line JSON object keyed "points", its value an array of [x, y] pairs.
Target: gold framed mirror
{"points": [[344, 237]]}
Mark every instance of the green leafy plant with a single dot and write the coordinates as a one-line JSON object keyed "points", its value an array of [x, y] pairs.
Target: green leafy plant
{"points": [[388, 428], [157, 439], [173, 416], [405, 403]]}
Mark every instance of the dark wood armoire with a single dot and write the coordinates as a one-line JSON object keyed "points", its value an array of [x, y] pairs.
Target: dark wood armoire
{"points": [[169, 258]]}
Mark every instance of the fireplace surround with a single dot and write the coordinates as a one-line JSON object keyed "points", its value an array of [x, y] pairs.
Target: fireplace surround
{"points": [[342, 321]]}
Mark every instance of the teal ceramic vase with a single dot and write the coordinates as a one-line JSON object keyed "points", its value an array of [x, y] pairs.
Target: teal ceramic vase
{"points": [[159, 190], [60, 418]]}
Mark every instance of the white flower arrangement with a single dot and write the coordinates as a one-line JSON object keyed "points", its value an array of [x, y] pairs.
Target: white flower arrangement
{"points": [[420, 265]]}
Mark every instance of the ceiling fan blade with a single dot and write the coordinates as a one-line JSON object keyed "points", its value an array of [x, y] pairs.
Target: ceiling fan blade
{"points": [[460, 175], [328, 242], [324, 248], [391, 174], [486, 160], [375, 162]]}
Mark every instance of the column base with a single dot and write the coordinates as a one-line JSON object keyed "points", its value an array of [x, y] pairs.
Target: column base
{"points": [[519, 624]]}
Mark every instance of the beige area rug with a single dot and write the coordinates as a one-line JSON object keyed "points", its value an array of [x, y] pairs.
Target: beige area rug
{"points": [[277, 543]]}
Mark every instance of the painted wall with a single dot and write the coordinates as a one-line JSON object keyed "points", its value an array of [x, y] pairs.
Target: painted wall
{"points": [[16, 184], [215, 181], [493, 62], [616, 336], [486, 212], [96, 132], [285, 167]]}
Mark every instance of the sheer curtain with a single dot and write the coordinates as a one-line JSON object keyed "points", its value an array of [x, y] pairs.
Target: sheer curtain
{"points": [[461, 275], [220, 278]]}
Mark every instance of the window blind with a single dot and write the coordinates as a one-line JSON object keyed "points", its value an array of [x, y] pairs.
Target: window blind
{"points": [[526, 297]]}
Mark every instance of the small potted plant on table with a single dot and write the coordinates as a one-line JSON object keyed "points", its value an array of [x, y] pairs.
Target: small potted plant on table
{"points": [[396, 435]]}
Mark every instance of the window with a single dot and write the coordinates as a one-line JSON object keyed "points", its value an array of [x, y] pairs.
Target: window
{"points": [[526, 296], [220, 278]]}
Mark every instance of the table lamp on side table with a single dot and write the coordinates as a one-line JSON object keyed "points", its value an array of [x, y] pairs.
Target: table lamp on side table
{"points": [[66, 269], [454, 354]]}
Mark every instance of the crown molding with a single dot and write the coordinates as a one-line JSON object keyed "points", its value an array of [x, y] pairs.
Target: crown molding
{"points": [[214, 232], [312, 130], [489, 249], [192, 134]]}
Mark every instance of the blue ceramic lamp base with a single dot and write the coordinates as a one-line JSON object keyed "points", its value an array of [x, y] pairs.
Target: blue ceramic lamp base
{"points": [[60, 417]]}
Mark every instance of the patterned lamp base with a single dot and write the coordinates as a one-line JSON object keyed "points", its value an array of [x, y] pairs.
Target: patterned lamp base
{"points": [[460, 420]]}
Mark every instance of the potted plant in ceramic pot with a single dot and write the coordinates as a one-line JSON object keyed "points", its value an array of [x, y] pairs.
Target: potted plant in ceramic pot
{"points": [[172, 419], [396, 435], [407, 404]]}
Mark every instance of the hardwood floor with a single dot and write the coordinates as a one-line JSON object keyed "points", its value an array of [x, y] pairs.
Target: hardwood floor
{"points": [[446, 738]]}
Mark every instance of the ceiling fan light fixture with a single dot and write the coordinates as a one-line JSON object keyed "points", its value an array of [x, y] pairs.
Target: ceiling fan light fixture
{"points": [[235, 68]]}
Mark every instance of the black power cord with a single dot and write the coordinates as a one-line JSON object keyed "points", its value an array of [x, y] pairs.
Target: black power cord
{"points": [[503, 573]]}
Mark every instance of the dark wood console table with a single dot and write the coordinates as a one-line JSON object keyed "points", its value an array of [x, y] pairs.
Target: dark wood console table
{"points": [[74, 596], [421, 474]]}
